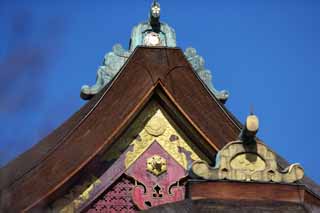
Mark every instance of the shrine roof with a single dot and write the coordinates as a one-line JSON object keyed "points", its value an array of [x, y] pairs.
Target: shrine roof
{"points": [[90, 131]]}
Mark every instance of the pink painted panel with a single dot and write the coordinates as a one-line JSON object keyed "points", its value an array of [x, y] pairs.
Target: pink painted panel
{"points": [[116, 199], [155, 190]]}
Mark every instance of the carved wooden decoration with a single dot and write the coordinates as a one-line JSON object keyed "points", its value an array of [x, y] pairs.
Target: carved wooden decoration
{"points": [[156, 165], [158, 162], [76, 196], [116, 199], [247, 163], [155, 188], [159, 128], [153, 153]]}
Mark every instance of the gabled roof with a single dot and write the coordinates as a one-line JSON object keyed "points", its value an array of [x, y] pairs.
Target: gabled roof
{"points": [[50, 164]]}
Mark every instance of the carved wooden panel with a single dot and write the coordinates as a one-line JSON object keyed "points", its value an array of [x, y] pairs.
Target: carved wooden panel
{"points": [[158, 176], [240, 162], [153, 153], [116, 199]]}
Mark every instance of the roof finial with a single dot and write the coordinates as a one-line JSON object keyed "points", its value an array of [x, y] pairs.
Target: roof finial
{"points": [[155, 16], [155, 9], [250, 128], [251, 109]]}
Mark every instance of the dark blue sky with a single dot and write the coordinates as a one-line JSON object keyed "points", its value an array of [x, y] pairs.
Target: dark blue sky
{"points": [[266, 53]]}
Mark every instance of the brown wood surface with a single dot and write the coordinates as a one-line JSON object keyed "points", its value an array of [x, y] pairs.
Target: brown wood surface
{"points": [[38, 173], [238, 191], [223, 206]]}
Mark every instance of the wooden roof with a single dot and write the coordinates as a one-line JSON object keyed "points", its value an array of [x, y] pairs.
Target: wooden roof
{"points": [[162, 72]]}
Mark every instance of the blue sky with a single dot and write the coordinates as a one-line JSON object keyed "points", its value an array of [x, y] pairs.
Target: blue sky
{"points": [[266, 53]]}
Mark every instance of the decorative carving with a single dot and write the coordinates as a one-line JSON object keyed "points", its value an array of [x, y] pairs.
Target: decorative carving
{"points": [[159, 130], [132, 133], [140, 145], [156, 126], [197, 63], [250, 162], [156, 165], [107, 179], [157, 192], [112, 63], [152, 39], [116, 199], [165, 34], [76, 196], [151, 128], [247, 163], [149, 33], [152, 33], [152, 190]]}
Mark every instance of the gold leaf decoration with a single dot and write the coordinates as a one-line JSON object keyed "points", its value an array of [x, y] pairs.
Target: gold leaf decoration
{"points": [[158, 129], [157, 165], [152, 125], [76, 196]]}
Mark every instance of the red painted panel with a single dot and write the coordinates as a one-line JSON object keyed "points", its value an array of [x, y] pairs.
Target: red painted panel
{"points": [[116, 199], [156, 190]]}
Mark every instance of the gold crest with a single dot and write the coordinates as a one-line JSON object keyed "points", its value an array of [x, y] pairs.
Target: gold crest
{"points": [[156, 165]]}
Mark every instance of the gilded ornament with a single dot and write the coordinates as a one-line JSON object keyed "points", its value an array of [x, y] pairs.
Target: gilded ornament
{"points": [[159, 130], [156, 126], [77, 196], [139, 146], [234, 162], [244, 162], [151, 126], [156, 165], [132, 134]]}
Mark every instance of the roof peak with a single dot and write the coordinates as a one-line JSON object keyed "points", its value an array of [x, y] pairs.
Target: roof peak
{"points": [[150, 33]]}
